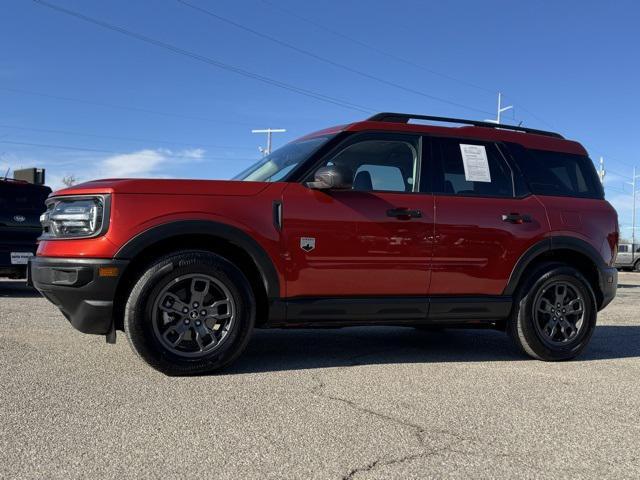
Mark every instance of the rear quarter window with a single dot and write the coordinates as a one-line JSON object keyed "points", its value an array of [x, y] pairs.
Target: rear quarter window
{"points": [[558, 173]]}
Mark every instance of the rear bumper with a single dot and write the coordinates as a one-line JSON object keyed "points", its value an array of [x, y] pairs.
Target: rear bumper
{"points": [[77, 288], [608, 285]]}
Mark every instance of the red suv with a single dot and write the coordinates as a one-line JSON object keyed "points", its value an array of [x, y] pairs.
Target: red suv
{"points": [[380, 222]]}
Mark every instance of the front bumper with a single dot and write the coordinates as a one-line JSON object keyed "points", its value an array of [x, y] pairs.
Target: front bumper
{"points": [[608, 285], [8, 268], [79, 288]]}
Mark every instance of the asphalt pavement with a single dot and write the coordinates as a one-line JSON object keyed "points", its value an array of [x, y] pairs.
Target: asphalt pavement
{"points": [[328, 404]]}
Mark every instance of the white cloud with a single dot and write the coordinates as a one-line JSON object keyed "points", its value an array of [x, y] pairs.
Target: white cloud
{"points": [[142, 163], [149, 163], [195, 153]]}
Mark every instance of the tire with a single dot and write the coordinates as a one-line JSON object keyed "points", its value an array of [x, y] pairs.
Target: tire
{"points": [[210, 335], [636, 267], [534, 316]]}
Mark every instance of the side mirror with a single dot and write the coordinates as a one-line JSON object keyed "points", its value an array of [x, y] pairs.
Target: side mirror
{"points": [[332, 177]]}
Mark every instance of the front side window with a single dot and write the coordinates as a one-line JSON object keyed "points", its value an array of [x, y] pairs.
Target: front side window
{"points": [[471, 168], [380, 164], [275, 166]]}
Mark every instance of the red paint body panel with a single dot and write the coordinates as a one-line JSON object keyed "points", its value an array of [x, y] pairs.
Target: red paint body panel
{"points": [[475, 250], [245, 205], [594, 221], [359, 249]]}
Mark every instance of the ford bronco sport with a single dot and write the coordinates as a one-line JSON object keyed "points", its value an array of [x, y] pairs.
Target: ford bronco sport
{"points": [[380, 222]]}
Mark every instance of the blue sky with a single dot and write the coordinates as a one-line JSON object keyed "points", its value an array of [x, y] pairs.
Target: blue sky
{"points": [[98, 103]]}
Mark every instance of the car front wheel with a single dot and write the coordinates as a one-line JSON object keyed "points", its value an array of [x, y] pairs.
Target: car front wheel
{"points": [[190, 313], [554, 313]]}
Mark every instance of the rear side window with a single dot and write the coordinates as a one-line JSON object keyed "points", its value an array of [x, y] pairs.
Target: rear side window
{"points": [[471, 168], [623, 248], [559, 174]]}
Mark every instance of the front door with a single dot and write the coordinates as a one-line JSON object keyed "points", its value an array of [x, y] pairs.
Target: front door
{"points": [[374, 239]]}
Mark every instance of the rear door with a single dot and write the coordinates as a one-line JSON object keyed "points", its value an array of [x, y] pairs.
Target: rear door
{"points": [[484, 220]]}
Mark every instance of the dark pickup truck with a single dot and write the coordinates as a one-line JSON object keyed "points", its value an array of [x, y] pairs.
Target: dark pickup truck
{"points": [[21, 205]]}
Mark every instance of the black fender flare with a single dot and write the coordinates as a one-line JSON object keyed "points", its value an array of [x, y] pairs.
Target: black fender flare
{"points": [[547, 245], [224, 231]]}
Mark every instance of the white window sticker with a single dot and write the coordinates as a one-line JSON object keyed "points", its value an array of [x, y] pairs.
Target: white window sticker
{"points": [[476, 165]]}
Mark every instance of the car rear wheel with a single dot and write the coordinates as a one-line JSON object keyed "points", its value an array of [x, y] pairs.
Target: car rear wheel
{"points": [[636, 267], [191, 312], [554, 313]]}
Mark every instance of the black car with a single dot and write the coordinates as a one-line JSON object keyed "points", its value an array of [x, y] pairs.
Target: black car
{"points": [[21, 205]]}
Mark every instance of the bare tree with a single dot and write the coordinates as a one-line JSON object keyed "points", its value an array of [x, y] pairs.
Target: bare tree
{"points": [[69, 180]]}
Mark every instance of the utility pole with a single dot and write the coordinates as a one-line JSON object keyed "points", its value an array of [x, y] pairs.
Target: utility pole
{"points": [[601, 171], [501, 110], [633, 213], [268, 131]]}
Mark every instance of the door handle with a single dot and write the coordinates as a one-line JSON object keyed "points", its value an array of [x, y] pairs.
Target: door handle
{"points": [[516, 218], [404, 213]]}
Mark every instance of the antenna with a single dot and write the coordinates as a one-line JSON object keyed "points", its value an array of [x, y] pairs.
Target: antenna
{"points": [[266, 151]]}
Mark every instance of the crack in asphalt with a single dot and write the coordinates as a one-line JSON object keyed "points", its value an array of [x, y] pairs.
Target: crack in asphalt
{"points": [[394, 461], [420, 433]]}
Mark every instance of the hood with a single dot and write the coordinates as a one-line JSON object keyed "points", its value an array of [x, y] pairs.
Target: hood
{"points": [[151, 186]]}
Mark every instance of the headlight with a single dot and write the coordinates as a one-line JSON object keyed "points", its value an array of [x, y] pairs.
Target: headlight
{"points": [[74, 217]]}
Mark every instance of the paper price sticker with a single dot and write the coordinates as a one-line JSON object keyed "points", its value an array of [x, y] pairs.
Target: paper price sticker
{"points": [[476, 165]]}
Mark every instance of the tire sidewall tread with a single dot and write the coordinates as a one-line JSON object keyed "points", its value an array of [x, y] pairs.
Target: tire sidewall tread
{"points": [[521, 327], [137, 320]]}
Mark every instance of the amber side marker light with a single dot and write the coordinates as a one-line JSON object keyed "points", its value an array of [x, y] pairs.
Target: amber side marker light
{"points": [[108, 271]]}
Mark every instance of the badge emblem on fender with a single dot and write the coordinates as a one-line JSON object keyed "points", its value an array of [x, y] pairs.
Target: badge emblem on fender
{"points": [[307, 243], [19, 218]]}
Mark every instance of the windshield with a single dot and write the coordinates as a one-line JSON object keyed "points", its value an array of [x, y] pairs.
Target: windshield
{"points": [[275, 166], [22, 198]]}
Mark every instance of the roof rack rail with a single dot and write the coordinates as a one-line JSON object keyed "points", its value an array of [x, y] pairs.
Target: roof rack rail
{"points": [[405, 117]]}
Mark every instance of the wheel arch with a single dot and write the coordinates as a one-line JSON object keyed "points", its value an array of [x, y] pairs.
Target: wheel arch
{"points": [[568, 250], [225, 240]]}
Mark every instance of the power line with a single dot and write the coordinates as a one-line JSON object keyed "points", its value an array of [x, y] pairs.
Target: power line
{"points": [[378, 50], [113, 152], [207, 60], [329, 61], [119, 107], [401, 59], [126, 139], [617, 173]]}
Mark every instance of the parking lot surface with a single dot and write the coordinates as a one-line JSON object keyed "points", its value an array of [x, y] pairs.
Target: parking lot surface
{"points": [[328, 404]]}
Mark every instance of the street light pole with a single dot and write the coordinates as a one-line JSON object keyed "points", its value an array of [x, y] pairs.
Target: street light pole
{"points": [[633, 213], [633, 220]]}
